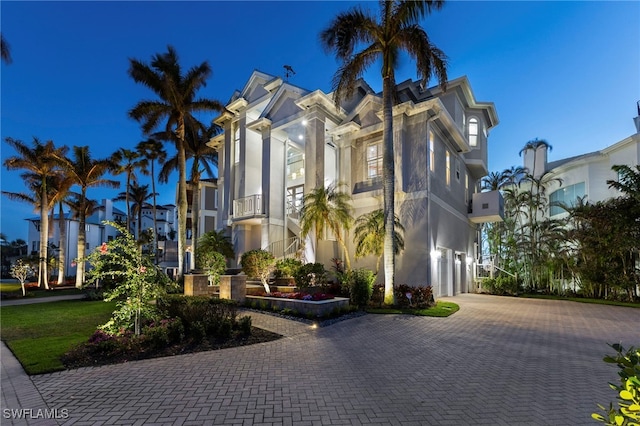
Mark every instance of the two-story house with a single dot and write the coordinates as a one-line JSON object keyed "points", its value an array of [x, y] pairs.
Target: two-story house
{"points": [[280, 141]]}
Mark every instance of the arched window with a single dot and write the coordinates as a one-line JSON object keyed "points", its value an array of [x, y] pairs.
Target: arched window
{"points": [[473, 131]]}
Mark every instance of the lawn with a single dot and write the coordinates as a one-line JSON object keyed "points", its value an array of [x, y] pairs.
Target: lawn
{"points": [[442, 309], [39, 334], [12, 290]]}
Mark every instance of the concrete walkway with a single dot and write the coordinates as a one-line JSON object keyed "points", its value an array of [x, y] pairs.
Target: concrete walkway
{"points": [[499, 361]]}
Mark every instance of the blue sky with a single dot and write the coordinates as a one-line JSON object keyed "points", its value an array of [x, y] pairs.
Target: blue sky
{"points": [[567, 72]]}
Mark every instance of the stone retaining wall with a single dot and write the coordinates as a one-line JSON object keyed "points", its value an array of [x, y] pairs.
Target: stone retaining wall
{"points": [[305, 307]]}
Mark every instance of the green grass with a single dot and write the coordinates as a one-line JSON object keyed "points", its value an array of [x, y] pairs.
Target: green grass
{"points": [[442, 309], [14, 290], [582, 300], [39, 334]]}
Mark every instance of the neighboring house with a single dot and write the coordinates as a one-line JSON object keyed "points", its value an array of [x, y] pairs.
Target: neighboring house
{"points": [[96, 233], [583, 176], [280, 141], [207, 213], [166, 232]]}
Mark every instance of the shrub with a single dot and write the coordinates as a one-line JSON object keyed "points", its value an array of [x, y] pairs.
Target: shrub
{"points": [[311, 275], [258, 264], [361, 286], [286, 268], [377, 295], [628, 412], [244, 325], [216, 316], [414, 297]]}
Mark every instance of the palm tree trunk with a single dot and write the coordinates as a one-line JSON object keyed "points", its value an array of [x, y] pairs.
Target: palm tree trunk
{"points": [[195, 215], [81, 241], [182, 198], [155, 225], [126, 196], [62, 254], [388, 180], [43, 273]]}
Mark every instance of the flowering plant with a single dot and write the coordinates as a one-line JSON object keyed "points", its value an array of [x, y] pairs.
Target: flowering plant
{"points": [[141, 284], [302, 296]]}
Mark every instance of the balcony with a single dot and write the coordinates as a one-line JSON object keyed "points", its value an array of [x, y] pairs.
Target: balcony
{"points": [[487, 207], [248, 208]]}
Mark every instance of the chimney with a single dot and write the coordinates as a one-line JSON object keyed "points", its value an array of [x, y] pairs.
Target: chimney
{"points": [[636, 120]]}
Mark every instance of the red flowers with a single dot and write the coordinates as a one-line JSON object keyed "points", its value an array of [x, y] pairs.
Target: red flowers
{"points": [[143, 269], [103, 248]]}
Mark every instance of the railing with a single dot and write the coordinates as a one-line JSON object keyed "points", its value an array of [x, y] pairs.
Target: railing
{"points": [[293, 210], [247, 206], [284, 248]]}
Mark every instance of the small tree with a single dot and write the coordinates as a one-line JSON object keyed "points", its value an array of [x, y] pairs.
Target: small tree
{"points": [[21, 271], [213, 263], [259, 264], [141, 284]]}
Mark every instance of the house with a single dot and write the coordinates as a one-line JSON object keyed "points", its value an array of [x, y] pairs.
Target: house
{"points": [[584, 176], [207, 212], [96, 233], [166, 226], [280, 141]]}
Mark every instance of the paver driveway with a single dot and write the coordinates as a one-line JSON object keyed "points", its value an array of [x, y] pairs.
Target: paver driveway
{"points": [[498, 361]]}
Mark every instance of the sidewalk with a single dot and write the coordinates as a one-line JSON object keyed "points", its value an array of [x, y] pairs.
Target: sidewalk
{"points": [[32, 300]]}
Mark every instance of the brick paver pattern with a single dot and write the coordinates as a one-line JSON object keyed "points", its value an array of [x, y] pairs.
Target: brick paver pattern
{"points": [[498, 361]]}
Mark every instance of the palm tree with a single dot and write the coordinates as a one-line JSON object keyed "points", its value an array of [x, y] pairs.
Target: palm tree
{"points": [[86, 172], [152, 150], [5, 50], [139, 195], [60, 187], [369, 235], [203, 158], [628, 181], [327, 209], [39, 164], [127, 161], [176, 103], [396, 30]]}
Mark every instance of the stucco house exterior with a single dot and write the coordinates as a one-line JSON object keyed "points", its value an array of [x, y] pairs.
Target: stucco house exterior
{"points": [[96, 233], [280, 141], [583, 176]]}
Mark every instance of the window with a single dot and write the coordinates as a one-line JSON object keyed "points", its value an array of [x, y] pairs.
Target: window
{"points": [[473, 131], [236, 146], [458, 170], [448, 168], [466, 189], [432, 152], [374, 160], [567, 196]]}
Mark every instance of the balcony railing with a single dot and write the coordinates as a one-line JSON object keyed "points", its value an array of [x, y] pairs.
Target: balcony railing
{"points": [[248, 207]]}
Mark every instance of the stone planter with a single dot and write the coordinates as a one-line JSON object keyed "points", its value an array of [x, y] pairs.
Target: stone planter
{"points": [[305, 307], [233, 287], [198, 285]]}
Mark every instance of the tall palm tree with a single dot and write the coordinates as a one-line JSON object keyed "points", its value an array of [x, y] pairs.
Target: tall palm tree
{"points": [[176, 93], [139, 195], [396, 30], [60, 187], [86, 172], [203, 159], [152, 150], [5, 50], [327, 209], [128, 162], [38, 163], [369, 235]]}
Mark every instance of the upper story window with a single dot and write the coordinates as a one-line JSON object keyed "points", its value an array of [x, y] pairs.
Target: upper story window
{"points": [[374, 160], [473, 131], [448, 168], [236, 146], [432, 151], [457, 170], [567, 196], [466, 189]]}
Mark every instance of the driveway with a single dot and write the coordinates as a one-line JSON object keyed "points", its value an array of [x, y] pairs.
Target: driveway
{"points": [[498, 361]]}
